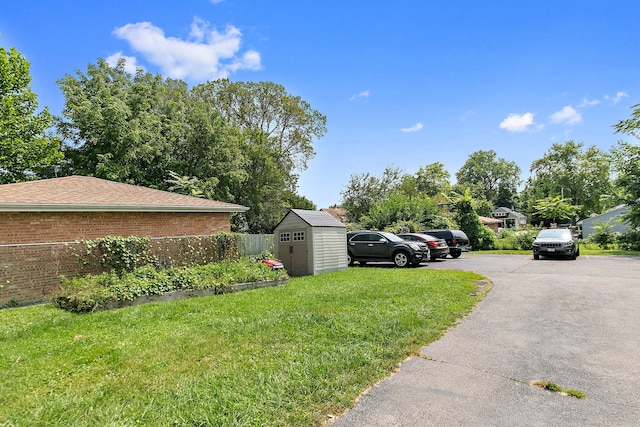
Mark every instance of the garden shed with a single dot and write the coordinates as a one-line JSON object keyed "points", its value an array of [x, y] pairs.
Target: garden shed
{"points": [[311, 242]]}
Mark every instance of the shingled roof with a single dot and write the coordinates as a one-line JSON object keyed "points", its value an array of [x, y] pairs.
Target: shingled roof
{"points": [[83, 193]]}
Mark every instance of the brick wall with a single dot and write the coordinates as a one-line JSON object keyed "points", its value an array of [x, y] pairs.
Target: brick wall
{"points": [[45, 227], [33, 252]]}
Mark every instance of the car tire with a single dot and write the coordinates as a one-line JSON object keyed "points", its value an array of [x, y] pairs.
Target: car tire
{"points": [[349, 258], [456, 253], [401, 259], [536, 256], [433, 258]]}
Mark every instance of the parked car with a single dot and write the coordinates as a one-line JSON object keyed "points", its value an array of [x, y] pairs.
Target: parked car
{"points": [[456, 239], [556, 242], [375, 246], [438, 248]]}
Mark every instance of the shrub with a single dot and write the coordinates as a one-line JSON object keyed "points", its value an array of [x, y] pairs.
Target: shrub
{"points": [[603, 235], [96, 292], [630, 240]]}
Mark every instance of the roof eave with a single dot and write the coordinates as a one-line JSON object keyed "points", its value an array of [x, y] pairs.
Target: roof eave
{"points": [[30, 207]]}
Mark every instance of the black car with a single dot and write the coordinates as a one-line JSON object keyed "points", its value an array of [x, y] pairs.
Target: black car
{"points": [[556, 242], [376, 246], [438, 248], [456, 239]]}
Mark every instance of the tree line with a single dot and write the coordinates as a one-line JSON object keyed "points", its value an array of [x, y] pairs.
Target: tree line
{"points": [[247, 143]]}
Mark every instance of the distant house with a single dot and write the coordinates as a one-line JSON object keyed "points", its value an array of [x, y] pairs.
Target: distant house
{"points": [[40, 220], [338, 213], [509, 217], [492, 223], [613, 216], [311, 242]]}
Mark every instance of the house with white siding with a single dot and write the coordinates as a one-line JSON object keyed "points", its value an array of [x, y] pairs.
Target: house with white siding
{"points": [[613, 216]]}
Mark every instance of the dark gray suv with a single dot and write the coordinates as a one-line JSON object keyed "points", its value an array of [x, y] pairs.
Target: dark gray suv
{"points": [[556, 242], [377, 246]]}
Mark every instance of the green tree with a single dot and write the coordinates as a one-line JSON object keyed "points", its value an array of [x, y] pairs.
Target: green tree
{"points": [[284, 123], [399, 207], [627, 164], [432, 179], [26, 150], [480, 237], [497, 178], [570, 172], [121, 127], [365, 189], [555, 209]]}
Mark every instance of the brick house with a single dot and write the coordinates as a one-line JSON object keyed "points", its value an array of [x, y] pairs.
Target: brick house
{"points": [[38, 217]]}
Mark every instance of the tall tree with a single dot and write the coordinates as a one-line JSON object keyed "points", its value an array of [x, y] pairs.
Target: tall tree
{"points": [[570, 172], [432, 179], [142, 129], [365, 189], [627, 164], [497, 178], [283, 123], [26, 150]]}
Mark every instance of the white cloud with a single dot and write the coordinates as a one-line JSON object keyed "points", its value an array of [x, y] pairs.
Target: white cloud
{"points": [[415, 128], [617, 98], [588, 102], [363, 94], [130, 64], [567, 115], [517, 122], [208, 54]]}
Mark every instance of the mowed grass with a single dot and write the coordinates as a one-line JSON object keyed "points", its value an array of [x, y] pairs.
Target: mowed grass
{"points": [[285, 356]]}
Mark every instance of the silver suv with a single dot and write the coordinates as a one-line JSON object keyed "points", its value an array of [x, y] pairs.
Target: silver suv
{"points": [[556, 242]]}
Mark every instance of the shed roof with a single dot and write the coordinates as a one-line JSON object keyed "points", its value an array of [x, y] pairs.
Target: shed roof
{"points": [[316, 218], [83, 193]]}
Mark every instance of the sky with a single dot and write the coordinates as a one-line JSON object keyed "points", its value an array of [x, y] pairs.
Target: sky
{"points": [[403, 83]]}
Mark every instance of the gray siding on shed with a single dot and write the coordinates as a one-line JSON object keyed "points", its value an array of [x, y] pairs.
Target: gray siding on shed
{"points": [[329, 250]]}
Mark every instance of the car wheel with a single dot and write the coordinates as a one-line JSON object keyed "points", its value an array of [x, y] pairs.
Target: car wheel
{"points": [[455, 254], [574, 256], [349, 258], [536, 256], [401, 259]]}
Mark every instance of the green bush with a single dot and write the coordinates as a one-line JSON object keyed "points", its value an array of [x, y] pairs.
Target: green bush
{"points": [[95, 292], [630, 240], [603, 235]]}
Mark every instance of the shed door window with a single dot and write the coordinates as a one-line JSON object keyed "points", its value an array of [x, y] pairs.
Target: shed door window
{"points": [[298, 236], [285, 237]]}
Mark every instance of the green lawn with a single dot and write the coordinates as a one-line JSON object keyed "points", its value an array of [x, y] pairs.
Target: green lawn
{"points": [[289, 355]]}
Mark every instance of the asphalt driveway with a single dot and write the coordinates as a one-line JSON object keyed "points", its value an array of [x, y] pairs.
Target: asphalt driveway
{"points": [[573, 323]]}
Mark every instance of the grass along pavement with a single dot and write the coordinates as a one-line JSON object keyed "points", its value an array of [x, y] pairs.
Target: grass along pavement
{"points": [[289, 355]]}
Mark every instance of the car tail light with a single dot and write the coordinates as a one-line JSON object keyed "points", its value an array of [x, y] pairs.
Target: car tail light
{"points": [[453, 241], [432, 244]]}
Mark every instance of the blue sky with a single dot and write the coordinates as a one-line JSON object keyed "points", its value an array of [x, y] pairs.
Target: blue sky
{"points": [[403, 83]]}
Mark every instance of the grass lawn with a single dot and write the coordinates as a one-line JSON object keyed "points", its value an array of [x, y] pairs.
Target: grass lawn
{"points": [[289, 355]]}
